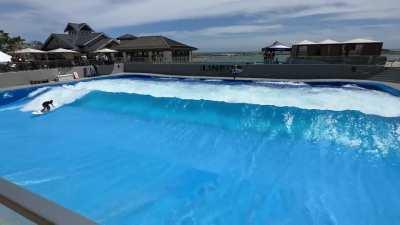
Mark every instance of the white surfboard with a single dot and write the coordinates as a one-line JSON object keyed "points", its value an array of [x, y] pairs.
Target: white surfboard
{"points": [[37, 112]]}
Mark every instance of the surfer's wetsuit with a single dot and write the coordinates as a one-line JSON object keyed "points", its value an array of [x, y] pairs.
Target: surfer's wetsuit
{"points": [[46, 105]]}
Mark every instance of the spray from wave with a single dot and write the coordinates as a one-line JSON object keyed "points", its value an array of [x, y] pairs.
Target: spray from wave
{"points": [[299, 96]]}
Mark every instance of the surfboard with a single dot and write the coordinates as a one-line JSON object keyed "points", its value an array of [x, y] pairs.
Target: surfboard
{"points": [[37, 113]]}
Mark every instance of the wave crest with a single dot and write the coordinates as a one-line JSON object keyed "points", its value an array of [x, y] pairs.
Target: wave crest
{"points": [[301, 96]]}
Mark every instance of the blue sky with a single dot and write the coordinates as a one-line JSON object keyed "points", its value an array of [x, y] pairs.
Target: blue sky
{"points": [[211, 25]]}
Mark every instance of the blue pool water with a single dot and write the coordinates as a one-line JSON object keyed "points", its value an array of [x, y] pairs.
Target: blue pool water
{"points": [[155, 151]]}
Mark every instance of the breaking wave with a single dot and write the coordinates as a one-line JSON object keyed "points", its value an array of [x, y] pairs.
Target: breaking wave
{"points": [[299, 96], [357, 131]]}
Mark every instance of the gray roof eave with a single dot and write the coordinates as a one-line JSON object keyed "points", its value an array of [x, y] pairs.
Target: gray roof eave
{"points": [[86, 43]]}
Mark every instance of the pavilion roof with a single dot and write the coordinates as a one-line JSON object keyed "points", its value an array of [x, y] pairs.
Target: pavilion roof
{"points": [[151, 42]]}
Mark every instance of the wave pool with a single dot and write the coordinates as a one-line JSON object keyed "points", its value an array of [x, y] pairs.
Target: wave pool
{"points": [[166, 151]]}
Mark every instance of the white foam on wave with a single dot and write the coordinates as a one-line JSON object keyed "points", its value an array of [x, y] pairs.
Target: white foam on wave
{"points": [[7, 95], [288, 118], [305, 97], [354, 86], [212, 80], [60, 95], [38, 91], [326, 128], [397, 132], [291, 83]]}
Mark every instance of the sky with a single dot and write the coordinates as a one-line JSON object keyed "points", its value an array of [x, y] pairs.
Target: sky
{"points": [[211, 25]]}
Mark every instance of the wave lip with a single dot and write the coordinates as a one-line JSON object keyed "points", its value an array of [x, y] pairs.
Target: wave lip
{"points": [[38, 91], [300, 96], [60, 95]]}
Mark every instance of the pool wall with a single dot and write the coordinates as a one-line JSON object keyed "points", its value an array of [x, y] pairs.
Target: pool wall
{"points": [[272, 71], [19, 78], [268, 71]]}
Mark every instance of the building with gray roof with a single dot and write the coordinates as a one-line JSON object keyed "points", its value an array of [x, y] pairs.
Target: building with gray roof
{"points": [[153, 49], [126, 37], [79, 37], [150, 49]]}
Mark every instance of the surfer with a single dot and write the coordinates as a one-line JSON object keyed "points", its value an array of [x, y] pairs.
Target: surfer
{"points": [[46, 106]]}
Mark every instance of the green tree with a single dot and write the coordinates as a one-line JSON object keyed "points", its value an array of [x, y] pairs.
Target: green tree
{"points": [[8, 43], [3, 40], [35, 45]]}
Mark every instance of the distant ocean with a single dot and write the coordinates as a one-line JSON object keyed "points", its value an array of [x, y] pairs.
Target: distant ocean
{"points": [[254, 57]]}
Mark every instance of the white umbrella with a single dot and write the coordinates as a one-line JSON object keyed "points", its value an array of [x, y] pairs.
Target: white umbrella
{"points": [[4, 58], [62, 50], [106, 50], [28, 51]]}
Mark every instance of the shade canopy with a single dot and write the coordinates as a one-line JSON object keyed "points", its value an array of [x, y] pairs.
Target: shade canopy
{"points": [[277, 46], [28, 51], [106, 50], [4, 58], [329, 41], [306, 42], [361, 40], [62, 50]]}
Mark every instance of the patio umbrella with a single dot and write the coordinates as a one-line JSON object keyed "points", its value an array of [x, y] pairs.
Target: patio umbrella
{"points": [[4, 58], [62, 50], [28, 51], [106, 50]]}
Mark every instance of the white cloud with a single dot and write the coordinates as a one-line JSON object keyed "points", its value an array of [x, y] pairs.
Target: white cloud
{"points": [[220, 31], [42, 17], [108, 13], [237, 29]]}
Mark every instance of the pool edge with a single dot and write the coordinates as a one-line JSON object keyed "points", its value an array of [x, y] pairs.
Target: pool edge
{"points": [[36, 208]]}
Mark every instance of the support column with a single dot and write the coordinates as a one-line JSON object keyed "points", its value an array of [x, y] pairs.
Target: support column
{"points": [[167, 57], [150, 56], [124, 56]]}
